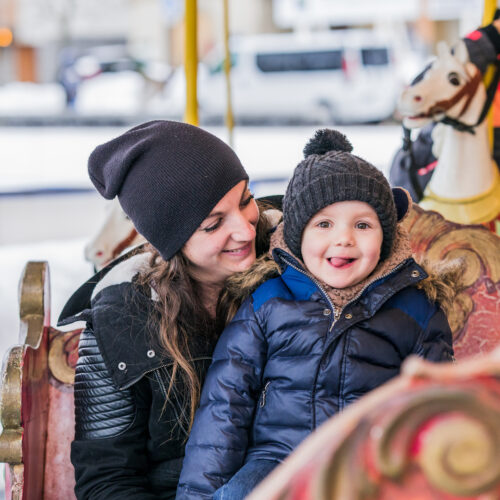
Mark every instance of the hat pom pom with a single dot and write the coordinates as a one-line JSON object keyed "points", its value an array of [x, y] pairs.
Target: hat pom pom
{"points": [[326, 140]]}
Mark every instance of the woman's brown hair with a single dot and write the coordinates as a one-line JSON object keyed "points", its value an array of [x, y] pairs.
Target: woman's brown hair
{"points": [[183, 321]]}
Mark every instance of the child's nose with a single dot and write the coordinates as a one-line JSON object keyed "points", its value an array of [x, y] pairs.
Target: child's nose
{"points": [[344, 238]]}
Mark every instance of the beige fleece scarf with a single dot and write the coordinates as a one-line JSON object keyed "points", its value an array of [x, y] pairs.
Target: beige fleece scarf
{"points": [[401, 251]]}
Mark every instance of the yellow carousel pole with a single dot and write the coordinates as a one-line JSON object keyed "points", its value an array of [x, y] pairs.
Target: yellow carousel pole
{"points": [[490, 7], [227, 71], [191, 61]]}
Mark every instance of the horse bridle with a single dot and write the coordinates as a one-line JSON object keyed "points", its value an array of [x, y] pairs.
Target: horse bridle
{"points": [[124, 244], [468, 89]]}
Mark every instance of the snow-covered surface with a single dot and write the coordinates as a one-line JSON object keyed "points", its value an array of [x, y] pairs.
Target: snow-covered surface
{"points": [[48, 157], [56, 157], [31, 99]]}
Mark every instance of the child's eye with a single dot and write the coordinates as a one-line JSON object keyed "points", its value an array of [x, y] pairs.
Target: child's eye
{"points": [[323, 224], [214, 226], [362, 225]]}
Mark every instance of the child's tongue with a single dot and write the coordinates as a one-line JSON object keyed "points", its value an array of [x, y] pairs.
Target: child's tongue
{"points": [[339, 261]]}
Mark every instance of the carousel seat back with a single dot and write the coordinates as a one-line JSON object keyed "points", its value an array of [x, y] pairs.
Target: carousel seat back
{"points": [[36, 409]]}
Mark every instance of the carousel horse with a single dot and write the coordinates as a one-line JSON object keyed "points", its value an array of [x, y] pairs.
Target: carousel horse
{"points": [[465, 185], [115, 235]]}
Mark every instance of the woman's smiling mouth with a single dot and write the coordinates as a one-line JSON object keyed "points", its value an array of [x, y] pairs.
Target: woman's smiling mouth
{"points": [[241, 251]]}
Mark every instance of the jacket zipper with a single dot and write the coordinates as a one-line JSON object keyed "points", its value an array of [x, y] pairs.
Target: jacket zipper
{"points": [[262, 401]]}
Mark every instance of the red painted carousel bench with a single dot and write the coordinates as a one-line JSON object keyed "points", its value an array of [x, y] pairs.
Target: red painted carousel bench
{"points": [[36, 409], [433, 432]]}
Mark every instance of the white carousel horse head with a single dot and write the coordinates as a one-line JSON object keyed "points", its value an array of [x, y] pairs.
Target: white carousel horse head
{"points": [[465, 186], [450, 86], [115, 235]]}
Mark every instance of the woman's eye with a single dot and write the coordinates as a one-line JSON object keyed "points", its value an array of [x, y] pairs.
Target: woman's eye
{"points": [[323, 224], [213, 227], [454, 79], [362, 225], [247, 200]]}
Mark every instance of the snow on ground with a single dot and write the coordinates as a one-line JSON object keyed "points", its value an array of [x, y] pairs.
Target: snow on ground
{"points": [[31, 99], [48, 157]]}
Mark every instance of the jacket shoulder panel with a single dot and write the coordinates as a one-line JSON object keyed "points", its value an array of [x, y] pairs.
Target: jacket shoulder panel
{"points": [[414, 303], [291, 285], [270, 289]]}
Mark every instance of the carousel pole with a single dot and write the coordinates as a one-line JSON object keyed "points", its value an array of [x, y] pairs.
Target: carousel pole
{"points": [[227, 71], [490, 7], [191, 61]]}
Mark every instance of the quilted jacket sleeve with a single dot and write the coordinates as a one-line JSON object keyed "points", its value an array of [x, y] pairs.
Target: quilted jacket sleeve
{"points": [[219, 438], [109, 450], [435, 342]]}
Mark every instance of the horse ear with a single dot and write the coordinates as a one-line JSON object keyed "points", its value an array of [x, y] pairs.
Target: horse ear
{"points": [[461, 53]]}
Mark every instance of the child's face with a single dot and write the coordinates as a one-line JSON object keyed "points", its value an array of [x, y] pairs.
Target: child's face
{"points": [[341, 243]]}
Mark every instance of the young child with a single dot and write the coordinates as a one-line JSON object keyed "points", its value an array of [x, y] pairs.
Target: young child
{"points": [[338, 322]]}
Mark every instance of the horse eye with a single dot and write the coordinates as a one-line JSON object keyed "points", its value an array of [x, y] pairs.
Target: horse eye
{"points": [[453, 79]]}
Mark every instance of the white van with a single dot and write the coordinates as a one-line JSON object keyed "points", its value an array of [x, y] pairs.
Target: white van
{"points": [[344, 76]]}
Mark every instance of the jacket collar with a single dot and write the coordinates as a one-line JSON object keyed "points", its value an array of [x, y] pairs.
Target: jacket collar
{"points": [[303, 286]]}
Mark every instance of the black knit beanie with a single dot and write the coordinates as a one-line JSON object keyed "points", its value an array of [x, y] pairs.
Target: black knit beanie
{"points": [[168, 177], [329, 174]]}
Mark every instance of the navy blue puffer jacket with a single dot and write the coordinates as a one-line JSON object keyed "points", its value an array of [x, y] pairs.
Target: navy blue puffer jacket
{"points": [[289, 361]]}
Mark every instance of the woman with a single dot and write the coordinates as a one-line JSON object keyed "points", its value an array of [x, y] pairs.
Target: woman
{"points": [[151, 318]]}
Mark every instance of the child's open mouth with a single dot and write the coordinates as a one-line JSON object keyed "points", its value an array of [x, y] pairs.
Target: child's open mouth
{"points": [[340, 262]]}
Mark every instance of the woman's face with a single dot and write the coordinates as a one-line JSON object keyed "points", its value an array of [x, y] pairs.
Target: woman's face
{"points": [[225, 241]]}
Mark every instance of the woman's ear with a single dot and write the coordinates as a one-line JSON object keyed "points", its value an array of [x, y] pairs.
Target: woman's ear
{"points": [[403, 202]]}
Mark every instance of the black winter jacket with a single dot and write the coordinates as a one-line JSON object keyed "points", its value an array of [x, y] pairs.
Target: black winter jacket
{"points": [[289, 361], [128, 443]]}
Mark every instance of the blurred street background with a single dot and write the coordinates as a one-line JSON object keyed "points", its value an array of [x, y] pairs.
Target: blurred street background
{"points": [[75, 73]]}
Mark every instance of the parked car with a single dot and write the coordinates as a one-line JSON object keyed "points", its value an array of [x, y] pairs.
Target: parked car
{"points": [[344, 76]]}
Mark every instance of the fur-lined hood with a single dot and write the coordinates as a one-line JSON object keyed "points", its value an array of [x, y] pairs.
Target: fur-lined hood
{"points": [[442, 285]]}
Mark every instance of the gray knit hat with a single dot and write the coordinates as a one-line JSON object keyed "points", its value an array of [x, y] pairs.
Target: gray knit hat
{"points": [[168, 177], [329, 174]]}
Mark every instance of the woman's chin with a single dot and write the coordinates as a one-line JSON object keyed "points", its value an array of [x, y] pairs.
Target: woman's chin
{"points": [[242, 264]]}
